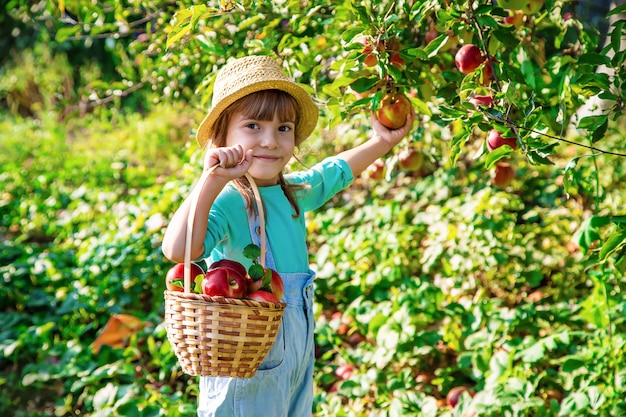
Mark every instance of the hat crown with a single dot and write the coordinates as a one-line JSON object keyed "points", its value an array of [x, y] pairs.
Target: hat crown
{"points": [[244, 72]]}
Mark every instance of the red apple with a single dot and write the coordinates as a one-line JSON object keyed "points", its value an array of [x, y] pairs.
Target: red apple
{"points": [[454, 395], [495, 140], [254, 285], [430, 35], [376, 171], [410, 159], [468, 58], [270, 281], [371, 59], [276, 283], [481, 100], [394, 108], [504, 174], [397, 61], [263, 296], [227, 263], [224, 282], [515, 18], [344, 371], [175, 276]]}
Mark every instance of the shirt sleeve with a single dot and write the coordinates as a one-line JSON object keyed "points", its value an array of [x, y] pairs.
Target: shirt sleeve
{"points": [[322, 181]]}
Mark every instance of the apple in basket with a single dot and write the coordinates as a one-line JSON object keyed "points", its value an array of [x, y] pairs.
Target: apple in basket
{"points": [[227, 263], [267, 280], [175, 276], [224, 282], [262, 295]]}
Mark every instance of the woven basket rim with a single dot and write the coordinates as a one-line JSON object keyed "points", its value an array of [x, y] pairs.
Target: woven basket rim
{"points": [[207, 299]]}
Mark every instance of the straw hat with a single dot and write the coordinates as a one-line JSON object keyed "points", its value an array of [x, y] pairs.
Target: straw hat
{"points": [[250, 74]]}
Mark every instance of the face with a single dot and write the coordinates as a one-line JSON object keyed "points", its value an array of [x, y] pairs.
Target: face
{"points": [[272, 143]]}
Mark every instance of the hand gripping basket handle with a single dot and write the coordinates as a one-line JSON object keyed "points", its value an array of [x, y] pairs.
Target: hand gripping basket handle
{"points": [[192, 214]]}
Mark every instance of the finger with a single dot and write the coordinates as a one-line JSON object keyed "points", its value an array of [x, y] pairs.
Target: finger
{"points": [[229, 157]]}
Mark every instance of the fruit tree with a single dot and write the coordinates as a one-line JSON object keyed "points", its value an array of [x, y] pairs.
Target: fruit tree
{"points": [[477, 269]]}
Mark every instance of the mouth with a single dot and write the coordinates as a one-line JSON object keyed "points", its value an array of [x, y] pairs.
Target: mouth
{"points": [[267, 158]]}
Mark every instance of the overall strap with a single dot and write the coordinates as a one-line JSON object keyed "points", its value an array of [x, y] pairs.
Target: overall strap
{"points": [[255, 233]]}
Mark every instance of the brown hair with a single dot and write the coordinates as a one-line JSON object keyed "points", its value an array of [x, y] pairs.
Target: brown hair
{"points": [[260, 105]]}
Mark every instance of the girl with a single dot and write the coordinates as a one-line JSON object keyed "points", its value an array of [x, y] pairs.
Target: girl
{"points": [[258, 117]]}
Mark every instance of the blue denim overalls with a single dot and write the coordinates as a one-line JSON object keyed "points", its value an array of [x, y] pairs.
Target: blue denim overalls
{"points": [[283, 385]]}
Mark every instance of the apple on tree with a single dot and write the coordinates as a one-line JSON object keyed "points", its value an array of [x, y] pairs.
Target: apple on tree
{"points": [[468, 58], [175, 276], [397, 61], [393, 110], [503, 175], [376, 170], [371, 58], [515, 18], [410, 159], [454, 395], [345, 371], [481, 100], [496, 140]]}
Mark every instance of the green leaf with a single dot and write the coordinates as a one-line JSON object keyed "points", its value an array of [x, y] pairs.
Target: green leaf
{"points": [[614, 243], [593, 58], [537, 158], [589, 231], [497, 154], [197, 284], [592, 122], [595, 309], [600, 131], [533, 353], [252, 252], [361, 85], [256, 272], [64, 33], [487, 20], [420, 106], [180, 28], [429, 50], [267, 278]]}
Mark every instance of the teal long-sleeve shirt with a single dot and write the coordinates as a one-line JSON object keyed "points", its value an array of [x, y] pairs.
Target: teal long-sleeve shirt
{"points": [[228, 231]]}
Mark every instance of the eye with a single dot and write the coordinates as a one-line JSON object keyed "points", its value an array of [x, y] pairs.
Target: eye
{"points": [[252, 125], [285, 128]]}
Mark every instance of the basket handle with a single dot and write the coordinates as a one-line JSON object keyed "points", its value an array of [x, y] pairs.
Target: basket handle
{"points": [[192, 213]]}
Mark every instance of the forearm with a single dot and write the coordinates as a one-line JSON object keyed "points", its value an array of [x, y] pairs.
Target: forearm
{"points": [[174, 241]]}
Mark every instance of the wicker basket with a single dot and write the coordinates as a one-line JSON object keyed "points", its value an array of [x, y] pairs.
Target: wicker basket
{"points": [[217, 336]]}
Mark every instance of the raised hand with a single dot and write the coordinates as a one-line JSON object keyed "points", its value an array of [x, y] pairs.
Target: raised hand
{"points": [[232, 162]]}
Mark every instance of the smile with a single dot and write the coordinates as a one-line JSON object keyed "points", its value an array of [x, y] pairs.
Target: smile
{"points": [[267, 158]]}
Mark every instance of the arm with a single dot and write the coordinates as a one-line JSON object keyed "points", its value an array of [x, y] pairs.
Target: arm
{"points": [[384, 139], [232, 164]]}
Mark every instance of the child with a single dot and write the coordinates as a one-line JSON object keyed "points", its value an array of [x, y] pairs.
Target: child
{"points": [[258, 117]]}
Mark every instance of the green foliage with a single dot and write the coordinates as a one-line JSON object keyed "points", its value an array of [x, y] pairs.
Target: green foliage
{"points": [[427, 280]]}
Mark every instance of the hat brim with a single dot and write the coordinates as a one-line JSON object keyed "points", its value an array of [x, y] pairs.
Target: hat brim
{"points": [[308, 116]]}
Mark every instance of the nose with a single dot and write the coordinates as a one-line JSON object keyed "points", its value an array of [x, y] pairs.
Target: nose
{"points": [[269, 139]]}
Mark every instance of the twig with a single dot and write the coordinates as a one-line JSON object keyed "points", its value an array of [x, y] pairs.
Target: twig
{"points": [[512, 125]]}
